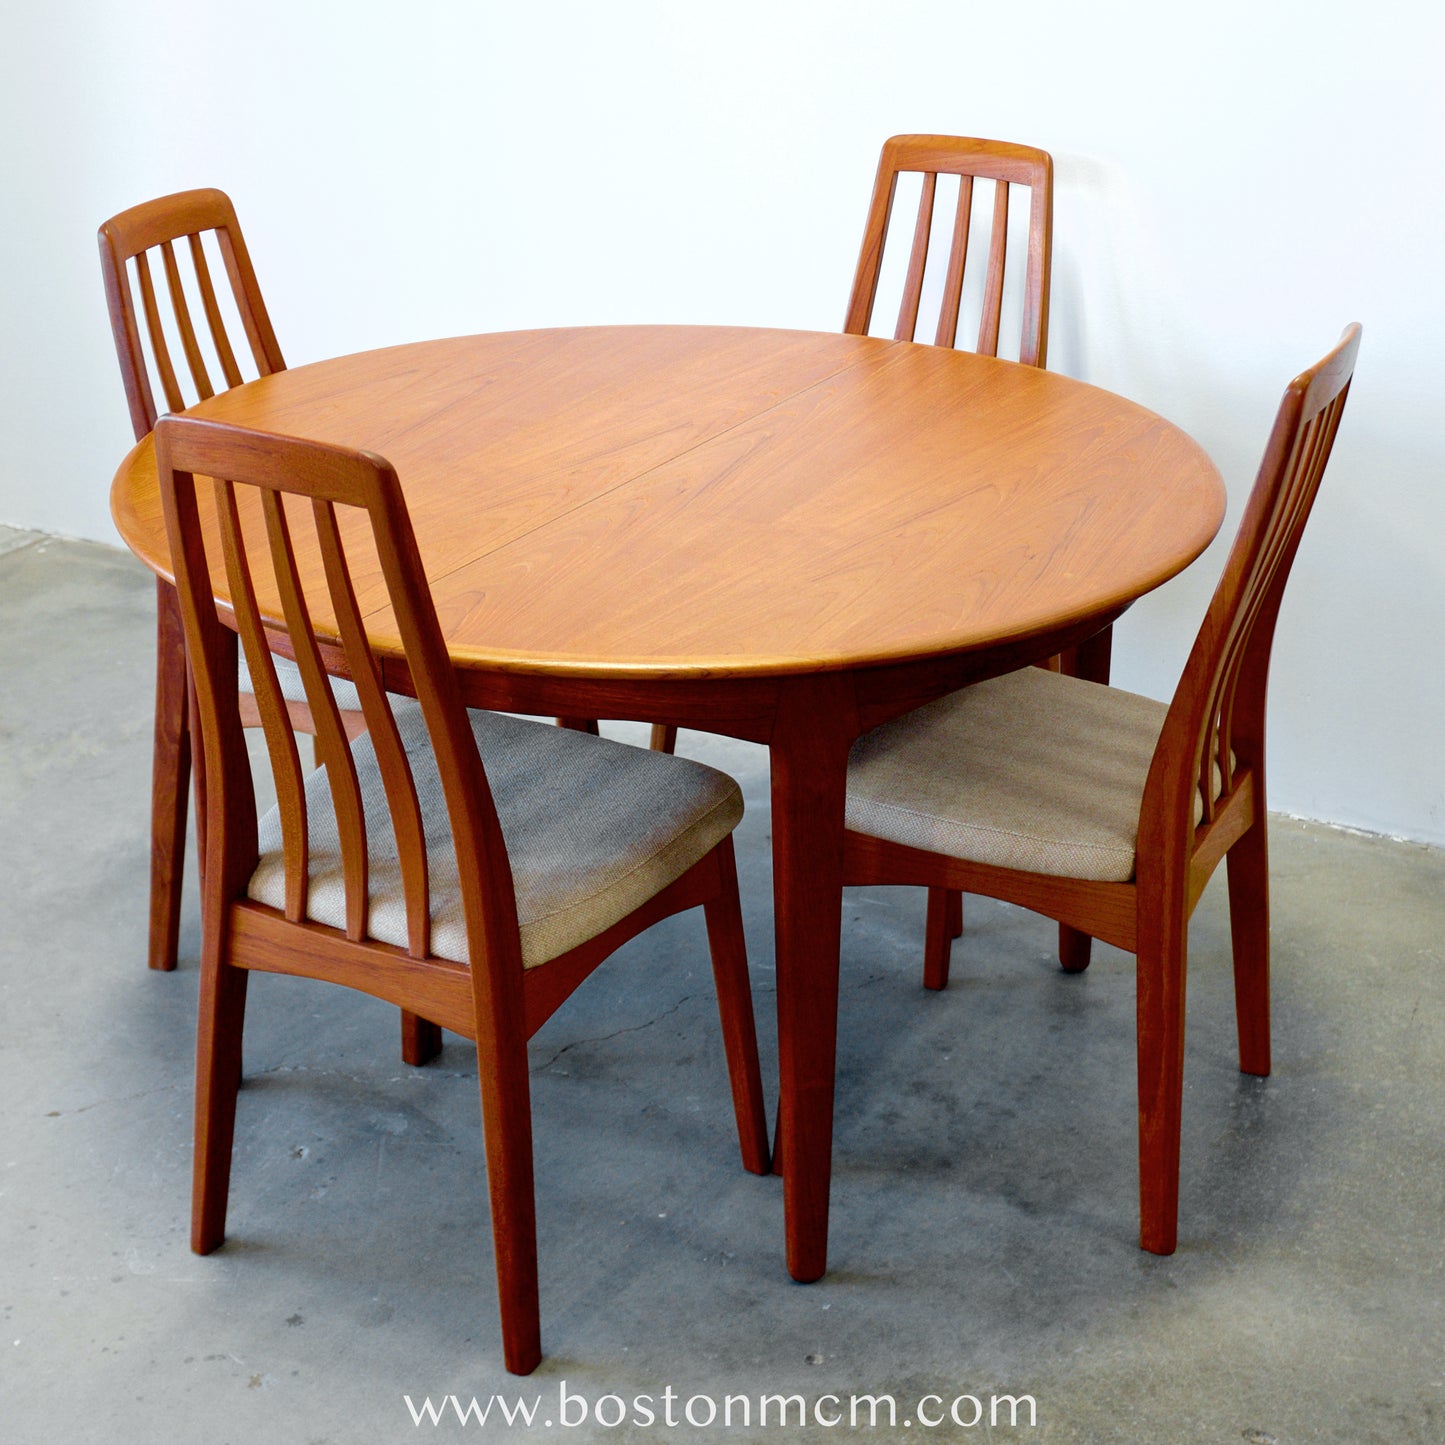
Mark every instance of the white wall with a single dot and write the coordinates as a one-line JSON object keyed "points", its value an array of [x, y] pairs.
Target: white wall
{"points": [[1235, 182]]}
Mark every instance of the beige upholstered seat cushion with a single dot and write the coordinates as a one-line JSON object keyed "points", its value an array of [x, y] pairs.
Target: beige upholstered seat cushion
{"points": [[594, 828], [294, 690], [1033, 770]]}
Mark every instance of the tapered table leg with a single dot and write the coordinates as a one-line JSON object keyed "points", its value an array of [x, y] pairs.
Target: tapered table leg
{"points": [[814, 727]]}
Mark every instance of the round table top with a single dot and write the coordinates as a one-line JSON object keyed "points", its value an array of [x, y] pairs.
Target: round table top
{"points": [[689, 502]]}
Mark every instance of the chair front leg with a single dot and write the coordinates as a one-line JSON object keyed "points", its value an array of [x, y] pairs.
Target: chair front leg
{"points": [[1162, 949], [220, 1026], [507, 1131]]}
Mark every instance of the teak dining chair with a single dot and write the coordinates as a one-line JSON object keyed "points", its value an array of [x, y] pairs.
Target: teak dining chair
{"points": [[150, 322], [472, 867], [1009, 167], [1109, 811]]}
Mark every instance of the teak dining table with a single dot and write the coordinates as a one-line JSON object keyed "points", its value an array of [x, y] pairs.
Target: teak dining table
{"points": [[788, 537]]}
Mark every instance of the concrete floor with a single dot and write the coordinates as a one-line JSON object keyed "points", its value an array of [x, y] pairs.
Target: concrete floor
{"points": [[983, 1224]]}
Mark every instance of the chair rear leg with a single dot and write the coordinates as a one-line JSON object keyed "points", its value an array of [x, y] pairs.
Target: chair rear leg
{"points": [[664, 738], [421, 1040], [1161, 969], [170, 777], [1248, 868], [1074, 948], [938, 935], [218, 1072], [954, 921], [735, 1008]]}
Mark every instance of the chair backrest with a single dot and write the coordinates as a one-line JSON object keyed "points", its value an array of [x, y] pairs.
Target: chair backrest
{"points": [[1213, 736], [1006, 166], [271, 500], [127, 244]]}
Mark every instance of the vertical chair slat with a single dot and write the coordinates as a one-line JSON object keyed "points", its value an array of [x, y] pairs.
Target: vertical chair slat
{"points": [[1224, 755], [1223, 743], [1293, 500], [1305, 470], [1277, 537], [1224, 738], [1218, 748], [1216, 744], [1204, 776], [917, 262], [1292, 497], [181, 312], [1002, 163], [331, 738], [275, 724], [217, 326], [265, 349], [957, 259], [988, 325], [1270, 546], [1320, 443], [396, 775], [159, 348]]}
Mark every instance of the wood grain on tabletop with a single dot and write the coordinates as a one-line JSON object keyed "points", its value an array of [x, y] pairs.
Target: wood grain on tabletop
{"points": [[677, 500]]}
